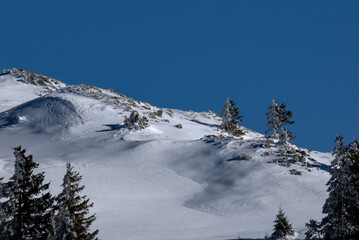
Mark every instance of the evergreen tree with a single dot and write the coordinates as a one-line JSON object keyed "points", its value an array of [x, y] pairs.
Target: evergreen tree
{"points": [[72, 221], [231, 118], [2, 210], [63, 227], [277, 117], [273, 120], [353, 188], [282, 227], [26, 209], [314, 230], [333, 224], [341, 206]]}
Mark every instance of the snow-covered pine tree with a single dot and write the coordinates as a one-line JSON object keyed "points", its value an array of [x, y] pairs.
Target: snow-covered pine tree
{"points": [[135, 121], [63, 226], [282, 227], [273, 120], [353, 197], [2, 210], [341, 206], [72, 221], [231, 118], [314, 230], [332, 224], [286, 115], [285, 138], [26, 208], [277, 117]]}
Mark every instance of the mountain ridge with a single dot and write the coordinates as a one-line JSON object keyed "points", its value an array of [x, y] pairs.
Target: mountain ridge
{"points": [[161, 182]]}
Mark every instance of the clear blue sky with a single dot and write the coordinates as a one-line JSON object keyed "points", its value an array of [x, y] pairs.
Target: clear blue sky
{"points": [[192, 55]]}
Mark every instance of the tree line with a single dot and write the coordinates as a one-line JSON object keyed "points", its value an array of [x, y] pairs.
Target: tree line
{"points": [[277, 118], [28, 211]]}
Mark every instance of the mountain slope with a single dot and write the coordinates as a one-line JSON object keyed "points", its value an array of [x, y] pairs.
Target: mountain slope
{"points": [[162, 182]]}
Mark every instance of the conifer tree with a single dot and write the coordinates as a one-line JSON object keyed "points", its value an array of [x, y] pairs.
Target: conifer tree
{"points": [[342, 205], [63, 226], [2, 210], [72, 221], [314, 230], [231, 118], [273, 120], [277, 117], [282, 227], [26, 208], [353, 188]]}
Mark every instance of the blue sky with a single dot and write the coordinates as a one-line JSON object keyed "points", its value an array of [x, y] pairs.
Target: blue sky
{"points": [[192, 55]]}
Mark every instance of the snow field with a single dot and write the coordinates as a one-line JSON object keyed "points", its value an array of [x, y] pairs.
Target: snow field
{"points": [[161, 182]]}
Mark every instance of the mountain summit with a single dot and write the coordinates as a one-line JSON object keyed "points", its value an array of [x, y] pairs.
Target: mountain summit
{"points": [[157, 173]]}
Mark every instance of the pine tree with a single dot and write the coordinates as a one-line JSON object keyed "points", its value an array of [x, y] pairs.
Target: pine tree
{"points": [[341, 206], [231, 118], [277, 117], [353, 188], [273, 120], [314, 230], [26, 209], [333, 224], [72, 221], [282, 227], [2, 210], [63, 227]]}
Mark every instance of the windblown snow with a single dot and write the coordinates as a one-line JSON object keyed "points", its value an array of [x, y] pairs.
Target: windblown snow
{"points": [[161, 182]]}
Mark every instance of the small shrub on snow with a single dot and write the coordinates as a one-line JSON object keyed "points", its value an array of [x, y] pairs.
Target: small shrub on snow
{"points": [[146, 106], [295, 172], [214, 139], [132, 102], [159, 113], [135, 121], [292, 156], [156, 114], [170, 113], [245, 156]]}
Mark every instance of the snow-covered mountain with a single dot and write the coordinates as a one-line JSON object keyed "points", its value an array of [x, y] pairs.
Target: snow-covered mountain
{"points": [[167, 181]]}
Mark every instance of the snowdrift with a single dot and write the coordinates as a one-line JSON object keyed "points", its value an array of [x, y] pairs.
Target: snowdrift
{"points": [[45, 114]]}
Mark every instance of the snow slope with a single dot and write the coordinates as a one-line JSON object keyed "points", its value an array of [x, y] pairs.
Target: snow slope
{"points": [[162, 182]]}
